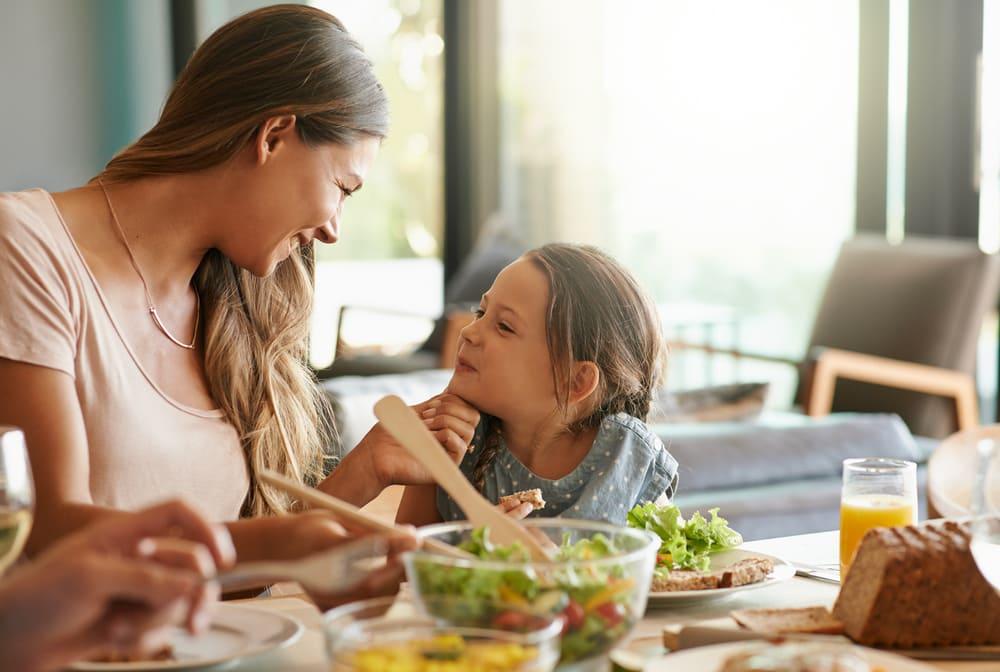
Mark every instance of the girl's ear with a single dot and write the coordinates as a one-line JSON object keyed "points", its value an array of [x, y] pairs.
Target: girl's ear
{"points": [[586, 378]]}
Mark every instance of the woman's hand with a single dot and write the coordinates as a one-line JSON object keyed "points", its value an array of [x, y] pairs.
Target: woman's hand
{"points": [[453, 423], [113, 588], [314, 531]]}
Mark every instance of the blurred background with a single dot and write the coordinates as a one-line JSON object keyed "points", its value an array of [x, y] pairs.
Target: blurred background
{"points": [[723, 150]]}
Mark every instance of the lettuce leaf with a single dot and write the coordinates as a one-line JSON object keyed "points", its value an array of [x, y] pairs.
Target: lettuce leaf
{"points": [[687, 543]]}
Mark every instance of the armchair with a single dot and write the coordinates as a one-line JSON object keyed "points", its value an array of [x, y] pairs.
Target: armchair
{"points": [[896, 332]]}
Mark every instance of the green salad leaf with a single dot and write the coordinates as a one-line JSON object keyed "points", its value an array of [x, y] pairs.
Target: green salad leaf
{"points": [[684, 544]]}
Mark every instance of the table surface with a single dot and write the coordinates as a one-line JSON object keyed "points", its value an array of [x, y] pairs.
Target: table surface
{"points": [[307, 654]]}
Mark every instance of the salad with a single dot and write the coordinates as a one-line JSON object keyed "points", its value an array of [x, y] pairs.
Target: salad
{"points": [[595, 602], [684, 544]]}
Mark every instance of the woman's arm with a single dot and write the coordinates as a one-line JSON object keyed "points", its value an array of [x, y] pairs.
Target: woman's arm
{"points": [[43, 403]]}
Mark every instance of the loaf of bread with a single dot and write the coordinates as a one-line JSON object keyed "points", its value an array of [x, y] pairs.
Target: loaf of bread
{"points": [[918, 586]]}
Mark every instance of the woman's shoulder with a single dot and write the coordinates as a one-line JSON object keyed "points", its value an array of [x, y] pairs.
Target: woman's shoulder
{"points": [[27, 219]]}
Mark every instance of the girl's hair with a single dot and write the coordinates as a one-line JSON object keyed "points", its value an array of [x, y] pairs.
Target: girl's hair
{"points": [[597, 312], [285, 59]]}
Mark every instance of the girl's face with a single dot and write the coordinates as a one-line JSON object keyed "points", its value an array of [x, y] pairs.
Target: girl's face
{"points": [[291, 194], [503, 366]]}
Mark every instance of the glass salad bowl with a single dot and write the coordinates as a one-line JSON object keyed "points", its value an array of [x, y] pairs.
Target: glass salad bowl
{"points": [[596, 585]]}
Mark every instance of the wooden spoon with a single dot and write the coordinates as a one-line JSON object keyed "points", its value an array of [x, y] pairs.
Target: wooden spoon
{"points": [[350, 512], [403, 423]]}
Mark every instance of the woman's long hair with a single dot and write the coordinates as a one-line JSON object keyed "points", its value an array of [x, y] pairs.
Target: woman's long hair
{"points": [[285, 59]]}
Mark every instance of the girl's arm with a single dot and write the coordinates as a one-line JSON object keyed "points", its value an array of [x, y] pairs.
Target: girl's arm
{"points": [[379, 460], [418, 506]]}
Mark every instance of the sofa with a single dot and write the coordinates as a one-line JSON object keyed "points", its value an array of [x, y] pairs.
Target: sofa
{"points": [[771, 474]]}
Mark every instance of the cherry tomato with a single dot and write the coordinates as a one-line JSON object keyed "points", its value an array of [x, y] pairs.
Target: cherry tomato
{"points": [[510, 620], [574, 614], [612, 613]]}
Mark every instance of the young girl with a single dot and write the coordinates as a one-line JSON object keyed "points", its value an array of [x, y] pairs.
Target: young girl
{"points": [[562, 361]]}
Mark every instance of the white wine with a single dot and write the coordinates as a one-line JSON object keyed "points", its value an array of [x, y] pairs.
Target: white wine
{"points": [[14, 528]]}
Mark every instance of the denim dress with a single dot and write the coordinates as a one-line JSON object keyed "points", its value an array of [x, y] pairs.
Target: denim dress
{"points": [[626, 465]]}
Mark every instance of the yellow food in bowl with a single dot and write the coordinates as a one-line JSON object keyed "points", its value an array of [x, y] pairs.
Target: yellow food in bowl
{"points": [[444, 653]]}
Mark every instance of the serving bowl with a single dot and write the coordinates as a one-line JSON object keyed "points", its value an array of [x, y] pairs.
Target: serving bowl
{"points": [[597, 585]]}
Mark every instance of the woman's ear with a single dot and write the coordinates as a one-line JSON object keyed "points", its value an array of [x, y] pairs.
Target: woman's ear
{"points": [[273, 133], [586, 378]]}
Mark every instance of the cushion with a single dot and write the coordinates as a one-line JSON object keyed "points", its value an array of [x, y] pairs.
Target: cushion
{"points": [[721, 403], [782, 447]]}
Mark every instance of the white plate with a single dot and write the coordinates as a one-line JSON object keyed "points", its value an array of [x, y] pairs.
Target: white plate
{"points": [[237, 632], [783, 571], [710, 659]]}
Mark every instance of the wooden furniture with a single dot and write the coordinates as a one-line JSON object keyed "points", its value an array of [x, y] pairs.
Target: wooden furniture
{"points": [[829, 365], [896, 332]]}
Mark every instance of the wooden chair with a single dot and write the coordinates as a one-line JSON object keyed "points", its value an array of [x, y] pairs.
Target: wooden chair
{"points": [[896, 332]]}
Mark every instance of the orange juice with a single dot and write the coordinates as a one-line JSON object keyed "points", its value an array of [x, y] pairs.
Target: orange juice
{"points": [[860, 513]]}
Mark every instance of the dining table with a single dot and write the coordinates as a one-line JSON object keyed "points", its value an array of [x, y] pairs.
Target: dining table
{"points": [[644, 644]]}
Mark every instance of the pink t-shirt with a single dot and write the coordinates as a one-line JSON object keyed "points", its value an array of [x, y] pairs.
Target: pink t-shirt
{"points": [[144, 446]]}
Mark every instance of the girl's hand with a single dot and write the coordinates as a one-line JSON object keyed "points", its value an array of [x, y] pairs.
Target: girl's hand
{"points": [[452, 421], [516, 510]]}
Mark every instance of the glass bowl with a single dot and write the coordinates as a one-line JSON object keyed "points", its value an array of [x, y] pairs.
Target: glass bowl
{"points": [[383, 633], [599, 593]]}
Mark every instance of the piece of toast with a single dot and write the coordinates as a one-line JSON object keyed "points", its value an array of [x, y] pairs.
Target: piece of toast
{"points": [[533, 497], [811, 620], [744, 572]]}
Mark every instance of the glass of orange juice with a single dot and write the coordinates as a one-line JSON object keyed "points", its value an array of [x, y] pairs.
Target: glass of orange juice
{"points": [[877, 492]]}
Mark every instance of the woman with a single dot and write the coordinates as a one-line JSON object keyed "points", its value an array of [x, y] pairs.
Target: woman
{"points": [[154, 321]]}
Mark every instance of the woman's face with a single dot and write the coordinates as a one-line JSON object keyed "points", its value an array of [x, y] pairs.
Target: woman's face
{"points": [[290, 194], [503, 366]]}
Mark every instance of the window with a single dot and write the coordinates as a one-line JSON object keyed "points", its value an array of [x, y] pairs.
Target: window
{"points": [[389, 252], [709, 145]]}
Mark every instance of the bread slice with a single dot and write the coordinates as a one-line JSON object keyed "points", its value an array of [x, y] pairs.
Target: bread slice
{"points": [[533, 497], [746, 571], [684, 579], [811, 620]]}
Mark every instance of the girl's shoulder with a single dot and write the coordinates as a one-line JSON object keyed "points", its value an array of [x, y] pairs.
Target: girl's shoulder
{"points": [[622, 429]]}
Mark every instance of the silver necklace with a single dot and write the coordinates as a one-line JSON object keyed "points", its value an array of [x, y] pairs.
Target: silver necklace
{"points": [[145, 288]]}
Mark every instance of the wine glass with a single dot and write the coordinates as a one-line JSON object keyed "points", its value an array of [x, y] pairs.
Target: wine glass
{"points": [[17, 495], [986, 511]]}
